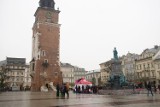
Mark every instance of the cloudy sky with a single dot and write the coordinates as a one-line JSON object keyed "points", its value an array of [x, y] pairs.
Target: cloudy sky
{"points": [[90, 29]]}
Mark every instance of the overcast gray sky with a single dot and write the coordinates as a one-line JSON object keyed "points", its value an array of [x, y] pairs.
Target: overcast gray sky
{"points": [[90, 29]]}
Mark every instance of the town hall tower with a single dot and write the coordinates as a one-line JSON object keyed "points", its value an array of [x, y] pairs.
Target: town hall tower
{"points": [[45, 63]]}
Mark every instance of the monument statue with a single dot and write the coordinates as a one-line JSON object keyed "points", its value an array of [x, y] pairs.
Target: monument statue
{"points": [[115, 54], [117, 79]]}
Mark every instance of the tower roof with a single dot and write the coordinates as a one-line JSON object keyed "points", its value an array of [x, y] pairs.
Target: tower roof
{"points": [[47, 3]]}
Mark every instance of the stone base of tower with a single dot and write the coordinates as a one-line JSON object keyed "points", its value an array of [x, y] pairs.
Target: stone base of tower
{"points": [[48, 83]]}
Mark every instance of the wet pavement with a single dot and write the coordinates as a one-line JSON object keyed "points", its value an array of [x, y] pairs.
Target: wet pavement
{"points": [[48, 99]]}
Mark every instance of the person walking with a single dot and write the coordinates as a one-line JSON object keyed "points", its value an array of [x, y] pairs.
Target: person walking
{"points": [[155, 88], [149, 88], [133, 87], [62, 90], [58, 89], [67, 89]]}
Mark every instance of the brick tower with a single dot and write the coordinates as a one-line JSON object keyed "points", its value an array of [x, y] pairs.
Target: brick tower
{"points": [[45, 64]]}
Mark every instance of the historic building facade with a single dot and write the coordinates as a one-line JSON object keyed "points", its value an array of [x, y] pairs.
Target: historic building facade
{"points": [[128, 66], [105, 69], [94, 76], [71, 73], [156, 60], [145, 65], [45, 64], [15, 70], [67, 73], [27, 77]]}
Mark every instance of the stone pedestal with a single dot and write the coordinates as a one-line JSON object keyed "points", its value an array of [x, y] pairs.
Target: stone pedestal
{"points": [[116, 75]]}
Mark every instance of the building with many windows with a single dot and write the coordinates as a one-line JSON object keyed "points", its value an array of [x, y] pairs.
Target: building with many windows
{"points": [[145, 65], [94, 76], [71, 73], [16, 70], [27, 77], [156, 60], [128, 66], [105, 71], [79, 73], [67, 72]]}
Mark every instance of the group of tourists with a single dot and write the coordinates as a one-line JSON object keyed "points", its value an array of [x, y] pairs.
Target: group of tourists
{"points": [[85, 89], [62, 90], [151, 87]]}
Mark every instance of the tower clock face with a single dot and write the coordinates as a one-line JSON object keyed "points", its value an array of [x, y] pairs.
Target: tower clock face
{"points": [[48, 15]]}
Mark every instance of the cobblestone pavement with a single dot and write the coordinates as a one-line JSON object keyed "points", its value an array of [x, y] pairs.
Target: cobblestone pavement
{"points": [[48, 99]]}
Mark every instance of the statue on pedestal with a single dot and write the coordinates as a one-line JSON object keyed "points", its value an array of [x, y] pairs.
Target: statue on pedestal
{"points": [[117, 79], [115, 54]]}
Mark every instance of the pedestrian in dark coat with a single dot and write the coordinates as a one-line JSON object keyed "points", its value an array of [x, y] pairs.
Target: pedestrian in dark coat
{"points": [[149, 88], [58, 89]]}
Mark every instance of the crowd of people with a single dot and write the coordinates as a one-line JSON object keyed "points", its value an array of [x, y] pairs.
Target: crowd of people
{"points": [[62, 90], [151, 87], [85, 89]]}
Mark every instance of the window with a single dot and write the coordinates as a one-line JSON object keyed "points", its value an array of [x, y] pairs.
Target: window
{"points": [[143, 66], [152, 65], [43, 53], [153, 74], [148, 65], [140, 66]]}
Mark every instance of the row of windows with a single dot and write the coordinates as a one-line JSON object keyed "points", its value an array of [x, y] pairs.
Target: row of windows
{"points": [[79, 73], [19, 79], [67, 75], [146, 56], [16, 67], [15, 73], [146, 74], [91, 76], [15, 79], [144, 66]]}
